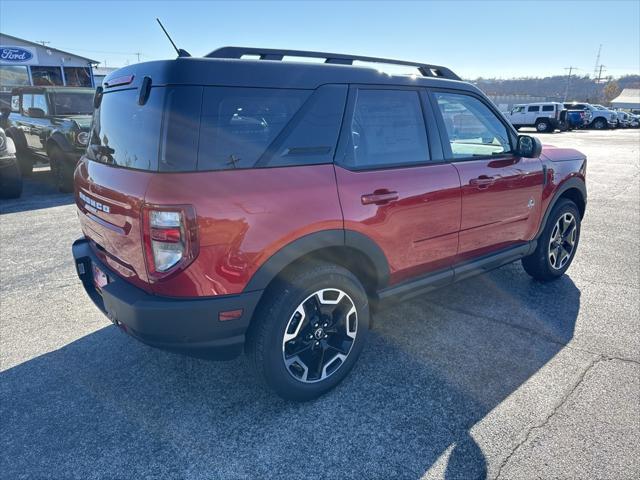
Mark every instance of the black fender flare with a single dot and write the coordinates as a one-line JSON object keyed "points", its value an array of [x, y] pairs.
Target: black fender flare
{"points": [[316, 241], [572, 183], [60, 141]]}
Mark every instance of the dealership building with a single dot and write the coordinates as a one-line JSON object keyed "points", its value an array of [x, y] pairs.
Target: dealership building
{"points": [[28, 63]]}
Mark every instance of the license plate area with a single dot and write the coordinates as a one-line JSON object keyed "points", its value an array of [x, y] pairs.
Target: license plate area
{"points": [[100, 279]]}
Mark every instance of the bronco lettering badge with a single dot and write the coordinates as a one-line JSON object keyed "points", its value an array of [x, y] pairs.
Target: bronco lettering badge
{"points": [[92, 204]]}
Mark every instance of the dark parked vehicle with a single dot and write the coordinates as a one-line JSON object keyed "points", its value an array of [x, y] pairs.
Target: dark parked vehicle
{"points": [[230, 204], [10, 177], [574, 119], [51, 123]]}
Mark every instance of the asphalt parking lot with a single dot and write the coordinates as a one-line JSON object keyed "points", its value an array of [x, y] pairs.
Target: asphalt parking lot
{"points": [[495, 377]]}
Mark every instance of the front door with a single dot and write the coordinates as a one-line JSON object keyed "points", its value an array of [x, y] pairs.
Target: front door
{"points": [[394, 187], [501, 192]]}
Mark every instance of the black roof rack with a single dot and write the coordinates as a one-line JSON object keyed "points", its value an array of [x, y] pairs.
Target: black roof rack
{"points": [[425, 69]]}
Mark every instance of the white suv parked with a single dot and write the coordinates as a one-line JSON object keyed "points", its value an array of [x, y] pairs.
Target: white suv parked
{"points": [[545, 116]]}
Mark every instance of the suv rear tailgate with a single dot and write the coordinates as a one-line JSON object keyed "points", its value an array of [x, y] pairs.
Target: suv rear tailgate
{"points": [[109, 201]]}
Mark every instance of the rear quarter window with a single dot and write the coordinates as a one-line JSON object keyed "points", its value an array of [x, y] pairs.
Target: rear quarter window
{"points": [[238, 124], [547, 108]]}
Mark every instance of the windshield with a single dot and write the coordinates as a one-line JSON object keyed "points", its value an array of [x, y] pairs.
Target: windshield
{"points": [[73, 103]]}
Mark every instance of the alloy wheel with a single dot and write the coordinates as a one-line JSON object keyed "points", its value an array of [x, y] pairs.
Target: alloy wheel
{"points": [[320, 335], [563, 241]]}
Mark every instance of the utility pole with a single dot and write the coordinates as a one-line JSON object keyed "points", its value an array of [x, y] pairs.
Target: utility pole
{"points": [[566, 92], [138, 55], [598, 82], [595, 68]]}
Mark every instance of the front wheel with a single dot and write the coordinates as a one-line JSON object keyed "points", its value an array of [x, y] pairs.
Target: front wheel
{"points": [[309, 331], [557, 245], [599, 124]]}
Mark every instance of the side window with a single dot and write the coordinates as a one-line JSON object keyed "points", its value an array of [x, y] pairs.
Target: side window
{"points": [[238, 124], [312, 135], [534, 109], [547, 108], [473, 129], [387, 128], [518, 109], [40, 101], [27, 102]]}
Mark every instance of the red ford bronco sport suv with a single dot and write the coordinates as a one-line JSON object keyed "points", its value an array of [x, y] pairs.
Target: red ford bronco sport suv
{"points": [[232, 204]]}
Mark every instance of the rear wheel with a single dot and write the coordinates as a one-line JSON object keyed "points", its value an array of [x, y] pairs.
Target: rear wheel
{"points": [[10, 181], [557, 245], [543, 126], [309, 331], [61, 170]]}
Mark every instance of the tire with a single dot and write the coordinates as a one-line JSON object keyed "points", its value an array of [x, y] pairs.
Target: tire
{"points": [[61, 171], [25, 161], [543, 126], [306, 290], [552, 257], [23, 156], [599, 124], [10, 181]]}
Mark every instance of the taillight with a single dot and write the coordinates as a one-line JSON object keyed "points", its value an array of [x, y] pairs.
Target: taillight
{"points": [[170, 236]]}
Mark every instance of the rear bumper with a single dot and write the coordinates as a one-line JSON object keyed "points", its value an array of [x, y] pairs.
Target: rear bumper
{"points": [[188, 326]]}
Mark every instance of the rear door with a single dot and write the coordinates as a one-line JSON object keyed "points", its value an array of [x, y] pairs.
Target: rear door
{"points": [[533, 112], [111, 180], [501, 192], [393, 183]]}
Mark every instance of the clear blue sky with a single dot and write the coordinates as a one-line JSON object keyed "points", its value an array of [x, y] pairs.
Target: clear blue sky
{"points": [[475, 38]]}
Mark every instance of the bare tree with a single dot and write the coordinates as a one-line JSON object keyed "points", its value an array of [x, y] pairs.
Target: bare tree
{"points": [[611, 91]]}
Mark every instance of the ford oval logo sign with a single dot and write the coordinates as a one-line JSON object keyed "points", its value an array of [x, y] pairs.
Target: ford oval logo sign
{"points": [[15, 54]]}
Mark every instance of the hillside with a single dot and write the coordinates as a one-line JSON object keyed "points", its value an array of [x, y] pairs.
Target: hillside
{"points": [[580, 89]]}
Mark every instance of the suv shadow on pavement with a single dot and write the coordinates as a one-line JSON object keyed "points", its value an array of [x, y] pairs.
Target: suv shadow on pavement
{"points": [[107, 406]]}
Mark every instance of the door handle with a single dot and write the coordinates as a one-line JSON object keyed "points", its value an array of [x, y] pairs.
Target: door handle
{"points": [[483, 181], [379, 197]]}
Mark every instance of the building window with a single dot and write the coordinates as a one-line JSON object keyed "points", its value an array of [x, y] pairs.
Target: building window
{"points": [[13, 75], [77, 76], [46, 75]]}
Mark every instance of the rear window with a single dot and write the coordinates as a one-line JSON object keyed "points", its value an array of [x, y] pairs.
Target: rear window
{"points": [[126, 134], [547, 108]]}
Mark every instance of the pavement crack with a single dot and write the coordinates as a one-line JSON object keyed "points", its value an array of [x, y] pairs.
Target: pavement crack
{"points": [[555, 409]]}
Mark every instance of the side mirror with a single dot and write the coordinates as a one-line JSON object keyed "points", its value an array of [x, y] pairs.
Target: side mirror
{"points": [[529, 147], [97, 98], [34, 112]]}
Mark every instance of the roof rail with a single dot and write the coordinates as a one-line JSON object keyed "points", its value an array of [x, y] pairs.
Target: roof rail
{"points": [[425, 69]]}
